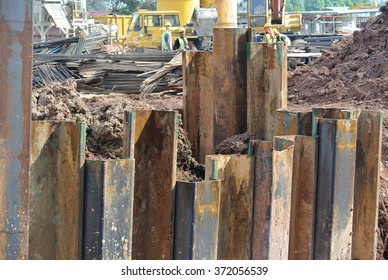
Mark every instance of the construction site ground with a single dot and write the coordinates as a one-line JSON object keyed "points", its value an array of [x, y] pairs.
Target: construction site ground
{"points": [[352, 74]]}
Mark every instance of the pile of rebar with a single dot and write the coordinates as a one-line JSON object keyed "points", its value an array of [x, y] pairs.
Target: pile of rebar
{"points": [[114, 72], [150, 83]]}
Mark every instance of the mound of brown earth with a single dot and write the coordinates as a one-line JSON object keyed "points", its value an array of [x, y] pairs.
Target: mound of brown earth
{"points": [[104, 116], [352, 74], [236, 144]]}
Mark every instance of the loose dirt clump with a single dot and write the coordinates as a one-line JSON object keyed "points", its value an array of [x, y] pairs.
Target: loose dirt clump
{"points": [[188, 169], [104, 117], [352, 74], [105, 133], [236, 144], [61, 101]]}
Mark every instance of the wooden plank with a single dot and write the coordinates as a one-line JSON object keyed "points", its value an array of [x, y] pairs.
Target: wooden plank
{"points": [[367, 183], [267, 87], [293, 123], [236, 173], [56, 195], [230, 76], [155, 143], [197, 220], [302, 198], [335, 187], [272, 199], [198, 102], [108, 209]]}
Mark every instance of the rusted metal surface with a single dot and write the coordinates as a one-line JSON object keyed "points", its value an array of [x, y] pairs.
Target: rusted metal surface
{"points": [[129, 131], [56, 195], [197, 220], [272, 199], [331, 113], [15, 124], [293, 123], [155, 143], [230, 76], [267, 87], [367, 183], [108, 209], [198, 102], [335, 186], [302, 198], [236, 173]]}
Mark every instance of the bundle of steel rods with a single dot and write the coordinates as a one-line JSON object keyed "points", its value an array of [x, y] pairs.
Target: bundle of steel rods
{"points": [[150, 83], [44, 75]]}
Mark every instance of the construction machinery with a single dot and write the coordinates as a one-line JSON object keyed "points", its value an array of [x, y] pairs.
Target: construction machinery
{"points": [[146, 27], [261, 12], [366, 5], [67, 16]]}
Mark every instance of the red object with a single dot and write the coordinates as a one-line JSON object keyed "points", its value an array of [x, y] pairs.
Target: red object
{"points": [[276, 9], [114, 48]]}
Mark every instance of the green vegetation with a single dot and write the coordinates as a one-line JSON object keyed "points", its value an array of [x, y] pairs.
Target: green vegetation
{"points": [[126, 7], [123, 7]]}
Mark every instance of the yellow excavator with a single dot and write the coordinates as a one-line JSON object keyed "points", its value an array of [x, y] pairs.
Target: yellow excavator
{"points": [[261, 12], [366, 5], [197, 17]]}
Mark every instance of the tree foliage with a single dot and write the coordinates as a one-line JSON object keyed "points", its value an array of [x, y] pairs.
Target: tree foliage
{"points": [[129, 6], [124, 7], [295, 6]]}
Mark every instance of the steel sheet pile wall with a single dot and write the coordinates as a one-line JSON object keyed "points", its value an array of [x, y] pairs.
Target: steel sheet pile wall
{"points": [[335, 186], [272, 199], [293, 123], [108, 209], [267, 87], [236, 173], [215, 99], [198, 102], [302, 197], [56, 200], [155, 152], [15, 124], [367, 183], [197, 220]]}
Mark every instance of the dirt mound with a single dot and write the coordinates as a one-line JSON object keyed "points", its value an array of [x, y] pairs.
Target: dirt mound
{"points": [[236, 144], [351, 74], [60, 101], [104, 116]]}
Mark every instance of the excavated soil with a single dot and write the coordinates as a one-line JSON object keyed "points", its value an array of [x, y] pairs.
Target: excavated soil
{"points": [[236, 144], [352, 74], [104, 116]]}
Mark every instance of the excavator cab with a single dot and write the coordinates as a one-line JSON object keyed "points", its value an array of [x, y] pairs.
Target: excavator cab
{"points": [[146, 28], [261, 12]]}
